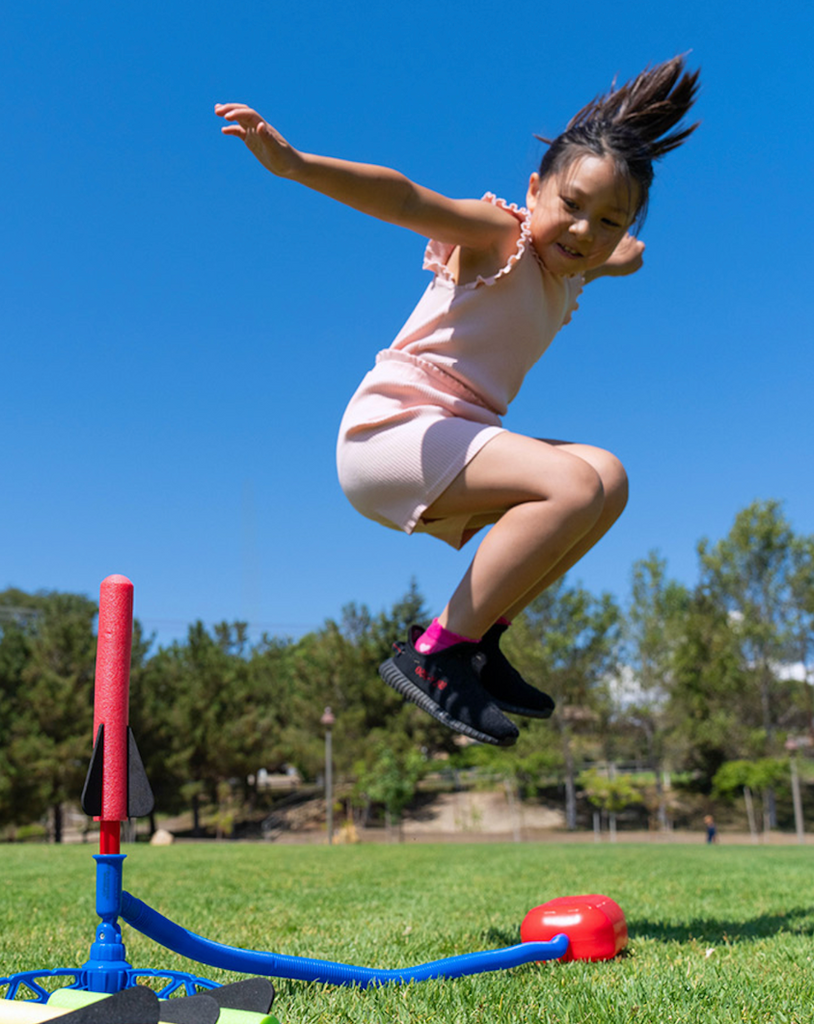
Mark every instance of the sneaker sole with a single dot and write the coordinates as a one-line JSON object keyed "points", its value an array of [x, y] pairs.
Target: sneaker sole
{"points": [[399, 682]]}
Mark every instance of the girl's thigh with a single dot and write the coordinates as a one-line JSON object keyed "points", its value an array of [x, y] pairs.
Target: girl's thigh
{"points": [[512, 469]]}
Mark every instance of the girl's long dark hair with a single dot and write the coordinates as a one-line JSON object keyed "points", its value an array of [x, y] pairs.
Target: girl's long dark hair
{"points": [[633, 125]]}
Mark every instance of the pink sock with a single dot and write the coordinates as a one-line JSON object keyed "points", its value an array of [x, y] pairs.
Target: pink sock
{"points": [[503, 621], [437, 638]]}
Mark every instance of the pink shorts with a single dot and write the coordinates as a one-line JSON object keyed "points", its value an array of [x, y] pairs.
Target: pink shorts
{"points": [[406, 434]]}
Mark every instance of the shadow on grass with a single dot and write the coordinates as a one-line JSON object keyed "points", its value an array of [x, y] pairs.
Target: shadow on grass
{"points": [[797, 921], [500, 937]]}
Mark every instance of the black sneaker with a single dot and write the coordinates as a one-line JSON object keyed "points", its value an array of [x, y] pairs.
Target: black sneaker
{"points": [[505, 685], [446, 685]]}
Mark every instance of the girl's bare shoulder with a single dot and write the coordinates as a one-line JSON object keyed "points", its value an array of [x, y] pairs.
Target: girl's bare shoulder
{"points": [[467, 264]]}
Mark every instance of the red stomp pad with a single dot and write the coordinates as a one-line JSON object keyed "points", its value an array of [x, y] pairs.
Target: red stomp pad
{"points": [[595, 926]]}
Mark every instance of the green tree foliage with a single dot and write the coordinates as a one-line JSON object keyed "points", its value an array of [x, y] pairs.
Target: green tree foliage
{"points": [[566, 643], [801, 622], [13, 659], [751, 574], [152, 694], [652, 628], [337, 667], [703, 711], [762, 776], [205, 711], [610, 792], [389, 776], [47, 659], [759, 775]]}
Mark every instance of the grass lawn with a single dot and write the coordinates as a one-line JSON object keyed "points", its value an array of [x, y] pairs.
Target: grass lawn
{"points": [[716, 933]]}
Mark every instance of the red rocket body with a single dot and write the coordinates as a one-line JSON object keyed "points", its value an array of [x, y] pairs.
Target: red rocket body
{"points": [[112, 696], [116, 787]]}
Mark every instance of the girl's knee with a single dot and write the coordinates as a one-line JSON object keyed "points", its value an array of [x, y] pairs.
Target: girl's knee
{"points": [[614, 484], [586, 494]]}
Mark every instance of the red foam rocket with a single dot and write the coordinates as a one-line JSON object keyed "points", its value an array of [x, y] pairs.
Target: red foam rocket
{"points": [[116, 787]]}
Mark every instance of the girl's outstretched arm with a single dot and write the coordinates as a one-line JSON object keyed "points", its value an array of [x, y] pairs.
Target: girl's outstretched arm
{"points": [[377, 191]]}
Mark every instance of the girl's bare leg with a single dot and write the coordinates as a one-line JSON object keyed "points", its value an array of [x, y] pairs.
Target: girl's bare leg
{"points": [[615, 491], [549, 506]]}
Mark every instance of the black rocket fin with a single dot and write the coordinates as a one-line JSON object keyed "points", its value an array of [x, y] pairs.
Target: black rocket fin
{"points": [[137, 1005], [199, 1009], [140, 799], [254, 995], [92, 791]]}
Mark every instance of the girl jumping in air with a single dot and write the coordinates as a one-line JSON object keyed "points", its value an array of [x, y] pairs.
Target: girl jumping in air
{"points": [[421, 445]]}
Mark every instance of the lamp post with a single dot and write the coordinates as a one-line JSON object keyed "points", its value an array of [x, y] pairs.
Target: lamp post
{"points": [[327, 721]]}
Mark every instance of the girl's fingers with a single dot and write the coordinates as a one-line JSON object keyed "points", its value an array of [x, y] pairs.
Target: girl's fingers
{"points": [[222, 109], [238, 112]]}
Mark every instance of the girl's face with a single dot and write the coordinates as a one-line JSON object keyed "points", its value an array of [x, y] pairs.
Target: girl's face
{"points": [[580, 214]]}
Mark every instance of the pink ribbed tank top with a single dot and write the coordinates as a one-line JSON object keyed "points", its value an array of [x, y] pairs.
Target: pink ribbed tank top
{"points": [[490, 332]]}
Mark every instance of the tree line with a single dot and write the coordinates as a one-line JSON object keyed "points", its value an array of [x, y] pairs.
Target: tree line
{"points": [[713, 681]]}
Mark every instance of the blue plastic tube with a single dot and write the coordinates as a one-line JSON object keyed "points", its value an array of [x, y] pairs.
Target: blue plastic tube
{"points": [[246, 961]]}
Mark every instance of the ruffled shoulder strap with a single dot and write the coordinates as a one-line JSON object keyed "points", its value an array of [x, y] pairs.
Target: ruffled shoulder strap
{"points": [[437, 254]]}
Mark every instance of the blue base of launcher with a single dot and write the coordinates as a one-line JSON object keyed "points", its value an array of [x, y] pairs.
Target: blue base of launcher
{"points": [[107, 969], [37, 986]]}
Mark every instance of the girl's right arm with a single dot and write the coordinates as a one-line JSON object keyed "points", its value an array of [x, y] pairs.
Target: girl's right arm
{"points": [[377, 191]]}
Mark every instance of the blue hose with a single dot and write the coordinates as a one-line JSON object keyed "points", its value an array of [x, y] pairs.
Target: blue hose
{"points": [[229, 958]]}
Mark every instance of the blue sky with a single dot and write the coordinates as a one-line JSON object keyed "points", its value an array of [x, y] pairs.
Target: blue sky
{"points": [[180, 331]]}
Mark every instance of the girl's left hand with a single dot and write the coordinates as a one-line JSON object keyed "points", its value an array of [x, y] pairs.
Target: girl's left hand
{"points": [[626, 258]]}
